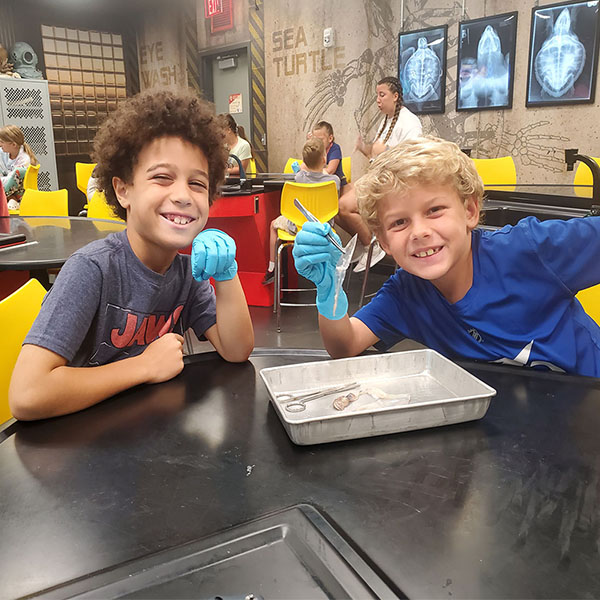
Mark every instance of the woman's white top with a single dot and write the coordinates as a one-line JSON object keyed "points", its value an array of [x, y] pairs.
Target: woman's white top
{"points": [[242, 149], [407, 127]]}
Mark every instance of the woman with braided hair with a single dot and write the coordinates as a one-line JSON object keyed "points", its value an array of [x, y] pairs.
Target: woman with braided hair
{"points": [[398, 124]]}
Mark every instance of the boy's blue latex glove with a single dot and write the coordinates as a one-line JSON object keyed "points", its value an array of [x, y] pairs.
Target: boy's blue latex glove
{"points": [[213, 255], [315, 258]]}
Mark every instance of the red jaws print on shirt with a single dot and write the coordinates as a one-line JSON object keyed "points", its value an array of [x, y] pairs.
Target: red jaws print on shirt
{"points": [[150, 329]]}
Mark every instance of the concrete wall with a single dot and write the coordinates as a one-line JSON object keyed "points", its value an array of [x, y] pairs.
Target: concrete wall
{"points": [[306, 82], [161, 49]]}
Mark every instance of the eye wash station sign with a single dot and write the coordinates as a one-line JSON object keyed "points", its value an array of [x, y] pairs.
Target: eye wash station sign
{"points": [[294, 56]]}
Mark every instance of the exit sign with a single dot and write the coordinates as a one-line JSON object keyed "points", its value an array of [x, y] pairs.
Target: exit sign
{"points": [[212, 8]]}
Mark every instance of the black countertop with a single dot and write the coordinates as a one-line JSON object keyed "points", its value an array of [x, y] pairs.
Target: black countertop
{"points": [[503, 507]]}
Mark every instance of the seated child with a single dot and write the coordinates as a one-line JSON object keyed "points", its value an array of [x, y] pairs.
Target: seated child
{"points": [[16, 156], [313, 157], [505, 296], [117, 312], [333, 165]]}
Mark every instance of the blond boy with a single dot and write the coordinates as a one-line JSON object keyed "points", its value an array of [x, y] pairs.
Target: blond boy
{"points": [[314, 159], [504, 296]]}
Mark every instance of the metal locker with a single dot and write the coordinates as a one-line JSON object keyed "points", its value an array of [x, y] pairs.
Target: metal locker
{"points": [[26, 103]]}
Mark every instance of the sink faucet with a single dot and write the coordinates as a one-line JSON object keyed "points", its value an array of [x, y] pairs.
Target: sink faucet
{"points": [[572, 156], [242, 172]]}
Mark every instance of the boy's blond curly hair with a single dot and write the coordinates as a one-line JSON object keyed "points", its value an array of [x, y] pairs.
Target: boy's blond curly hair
{"points": [[422, 161], [150, 115]]}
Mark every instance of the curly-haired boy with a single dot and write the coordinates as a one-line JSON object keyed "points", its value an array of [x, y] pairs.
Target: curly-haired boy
{"points": [[117, 312], [504, 296]]}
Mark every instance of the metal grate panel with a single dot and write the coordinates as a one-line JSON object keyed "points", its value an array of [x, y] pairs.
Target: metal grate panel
{"points": [[36, 138], [44, 181], [23, 103]]}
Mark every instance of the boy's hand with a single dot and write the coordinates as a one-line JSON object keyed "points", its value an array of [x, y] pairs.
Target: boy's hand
{"points": [[164, 357], [316, 258], [213, 255]]}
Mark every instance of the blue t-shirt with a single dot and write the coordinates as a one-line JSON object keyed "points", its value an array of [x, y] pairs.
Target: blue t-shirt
{"points": [[335, 153], [520, 309]]}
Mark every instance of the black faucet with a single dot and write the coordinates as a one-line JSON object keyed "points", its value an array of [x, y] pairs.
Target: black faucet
{"points": [[572, 156], [242, 172]]}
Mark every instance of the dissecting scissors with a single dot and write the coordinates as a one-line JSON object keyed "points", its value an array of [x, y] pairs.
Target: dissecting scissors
{"points": [[296, 402]]}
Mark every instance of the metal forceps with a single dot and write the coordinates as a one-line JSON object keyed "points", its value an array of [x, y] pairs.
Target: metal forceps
{"points": [[296, 403], [310, 217]]}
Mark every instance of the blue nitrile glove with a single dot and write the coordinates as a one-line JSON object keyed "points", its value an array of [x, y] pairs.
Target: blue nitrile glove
{"points": [[315, 258], [213, 255], [295, 166]]}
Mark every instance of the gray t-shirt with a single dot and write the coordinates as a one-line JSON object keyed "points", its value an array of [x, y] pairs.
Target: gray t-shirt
{"points": [[303, 176], [106, 305]]}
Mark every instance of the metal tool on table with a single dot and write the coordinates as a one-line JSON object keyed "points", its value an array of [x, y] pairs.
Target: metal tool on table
{"points": [[296, 403]]}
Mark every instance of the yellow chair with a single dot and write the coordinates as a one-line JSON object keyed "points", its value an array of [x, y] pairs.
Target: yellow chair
{"points": [[17, 314], [251, 167], [583, 176], [83, 172], [47, 204], [590, 300], [288, 164], [99, 209], [347, 168], [497, 171], [30, 181], [321, 199]]}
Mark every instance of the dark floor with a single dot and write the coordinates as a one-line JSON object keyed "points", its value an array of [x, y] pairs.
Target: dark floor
{"points": [[299, 325]]}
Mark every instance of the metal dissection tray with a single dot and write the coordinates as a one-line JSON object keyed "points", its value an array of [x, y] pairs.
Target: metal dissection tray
{"points": [[291, 554], [422, 389]]}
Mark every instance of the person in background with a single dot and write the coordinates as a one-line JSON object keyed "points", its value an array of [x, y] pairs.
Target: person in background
{"points": [[324, 131], [242, 134], [314, 159], [237, 145], [398, 124], [117, 312], [92, 185], [505, 296], [16, 156]]}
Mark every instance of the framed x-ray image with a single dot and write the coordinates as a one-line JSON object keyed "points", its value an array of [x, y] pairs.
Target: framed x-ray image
{"points": [[486, 62], [422, 69], [563, 54]]}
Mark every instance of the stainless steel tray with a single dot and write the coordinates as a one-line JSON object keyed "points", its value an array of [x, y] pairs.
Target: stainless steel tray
{"points": [[432, 391]]}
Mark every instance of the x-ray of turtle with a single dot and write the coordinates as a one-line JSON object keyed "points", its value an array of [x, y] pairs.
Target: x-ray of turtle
{"points": [[422, 74], [487, 83], [561, 58]]}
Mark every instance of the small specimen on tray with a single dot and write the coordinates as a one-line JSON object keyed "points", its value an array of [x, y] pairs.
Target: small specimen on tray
{"points": [[341, 402]]}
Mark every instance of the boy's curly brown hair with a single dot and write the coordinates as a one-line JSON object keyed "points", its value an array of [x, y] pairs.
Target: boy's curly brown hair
{"points": [[148, 116]]}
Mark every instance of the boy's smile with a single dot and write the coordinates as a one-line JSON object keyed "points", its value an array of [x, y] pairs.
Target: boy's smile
{"points": [[428, 232], [166, 201]]}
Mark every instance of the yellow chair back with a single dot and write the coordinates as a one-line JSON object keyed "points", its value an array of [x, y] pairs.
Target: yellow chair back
{"points": [[17, 314], [83, 172], [30, 181], [99, 209], [321, 199], [590, 300], [288, 164], [583, 176], [500, 171], [251, 170], [347, 168], [36, 203]]}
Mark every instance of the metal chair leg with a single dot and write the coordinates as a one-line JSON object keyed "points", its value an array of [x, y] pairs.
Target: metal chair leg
{"points": [[278, 284], [277, 280], [366, 276]]}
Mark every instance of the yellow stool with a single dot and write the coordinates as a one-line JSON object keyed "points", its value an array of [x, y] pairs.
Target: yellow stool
{"points": [[17, 314]]}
